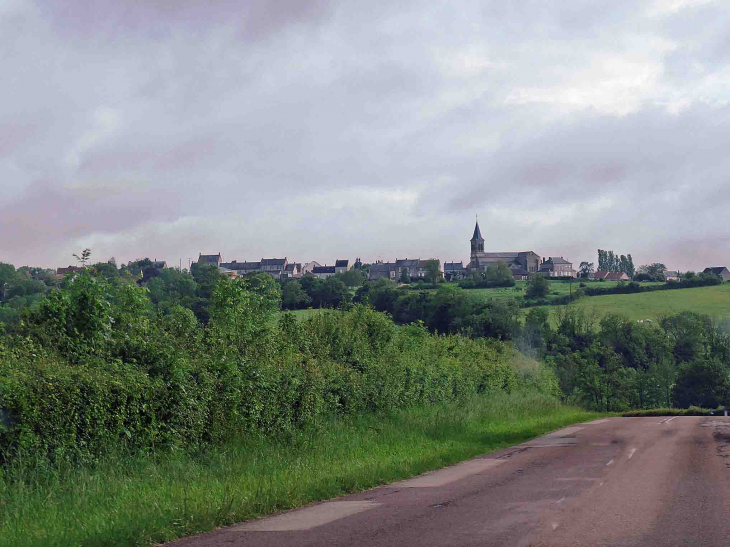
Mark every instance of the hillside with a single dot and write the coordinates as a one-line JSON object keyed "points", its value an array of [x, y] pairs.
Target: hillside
{"points": [[713, 301]]}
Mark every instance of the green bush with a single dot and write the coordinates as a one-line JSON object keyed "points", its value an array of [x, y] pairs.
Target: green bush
{"points": [[94, 369]]}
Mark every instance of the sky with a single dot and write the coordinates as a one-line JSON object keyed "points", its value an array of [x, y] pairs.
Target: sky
{"points": [[318, 129]]}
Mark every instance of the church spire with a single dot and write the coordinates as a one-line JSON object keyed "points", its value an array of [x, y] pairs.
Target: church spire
{"points": [[477, 233], [477, 241]]}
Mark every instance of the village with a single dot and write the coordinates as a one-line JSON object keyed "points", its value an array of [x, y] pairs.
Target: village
{"points": [[522, 264]]}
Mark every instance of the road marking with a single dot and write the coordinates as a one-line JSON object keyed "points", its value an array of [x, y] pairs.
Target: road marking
{"points": [[631, 452], [610, 463], [596, 422], [307, 518], [667, 420], [555, 525], [577, 479], [561, 500], [448, 474]]}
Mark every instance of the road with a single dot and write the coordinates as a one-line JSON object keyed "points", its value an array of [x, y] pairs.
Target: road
{"points": [[617, 481]]}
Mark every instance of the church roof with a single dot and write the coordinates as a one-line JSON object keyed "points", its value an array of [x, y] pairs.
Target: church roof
{"points": [[477, 233]]}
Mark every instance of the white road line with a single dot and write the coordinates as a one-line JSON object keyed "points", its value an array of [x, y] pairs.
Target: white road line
{"points": [[610, 463], [672, 418], [667, 420], [631, 452]]}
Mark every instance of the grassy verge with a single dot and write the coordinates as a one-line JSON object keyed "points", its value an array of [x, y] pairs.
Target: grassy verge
{"points": [[143, 499], [691, 411]]}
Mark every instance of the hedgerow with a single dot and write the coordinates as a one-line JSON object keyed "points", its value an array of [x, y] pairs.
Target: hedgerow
{"points": [[94, 369]]}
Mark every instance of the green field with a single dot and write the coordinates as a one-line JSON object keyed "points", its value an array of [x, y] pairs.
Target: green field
{"points": [[713, 301], [557, 288]]}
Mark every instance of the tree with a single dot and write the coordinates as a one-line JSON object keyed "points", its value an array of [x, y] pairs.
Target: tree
{"points": [[500, 275], [537, 286], [353, 277], [405, 277], [654, 272], [703, 382], [293, 296], [433, 271], [83, 260], [585, 269]]}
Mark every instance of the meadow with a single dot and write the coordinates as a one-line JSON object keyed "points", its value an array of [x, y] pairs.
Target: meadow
{"points": [[713, 301]]}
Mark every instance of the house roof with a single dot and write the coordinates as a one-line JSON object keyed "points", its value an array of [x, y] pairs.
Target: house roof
{"points": [[453, 266], [520, 271], [671, 273], [600, 274], [717, 270], [323, 269], [382, 267], [293, 266], [273, 261], [477, 233], [557, 260], [341, 263], [496, 256], [209, 259], [405, 262], [615, 276], [242, 265]]}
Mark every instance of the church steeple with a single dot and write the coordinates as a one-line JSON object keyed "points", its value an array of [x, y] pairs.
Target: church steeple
{"points": [[477, 241]]}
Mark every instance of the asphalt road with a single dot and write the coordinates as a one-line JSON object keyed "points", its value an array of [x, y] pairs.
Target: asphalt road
{"points": [[618, 482]]}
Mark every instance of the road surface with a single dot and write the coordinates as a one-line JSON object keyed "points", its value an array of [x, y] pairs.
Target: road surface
{"points": [[617, 481]]}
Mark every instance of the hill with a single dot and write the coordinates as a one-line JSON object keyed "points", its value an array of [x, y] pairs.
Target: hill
{"points": [[713, 301]]}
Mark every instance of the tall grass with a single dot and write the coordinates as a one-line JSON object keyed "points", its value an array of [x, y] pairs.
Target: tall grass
{"points": [[140, 499]]}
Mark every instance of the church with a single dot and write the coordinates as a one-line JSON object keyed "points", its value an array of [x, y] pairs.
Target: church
{"points": [[521, 263]]}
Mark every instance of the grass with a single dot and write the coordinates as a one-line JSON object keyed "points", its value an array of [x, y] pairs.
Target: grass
{"points": [[691, 411], [557, 288], [713, 301], [147, 498], [303, 314]]}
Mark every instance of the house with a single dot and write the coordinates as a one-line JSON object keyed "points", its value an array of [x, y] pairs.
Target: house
{"points": [[70, 269], [480, 260], [274, 266], [239, 268], [159, 264], [722, 271], [454, 271], [323, 272], [520, 274], [204, 260], [410, 264], [379, 270], [341, 266], [557, 267], [617, 276], [670, 275], [293, 269], [309, 266]]}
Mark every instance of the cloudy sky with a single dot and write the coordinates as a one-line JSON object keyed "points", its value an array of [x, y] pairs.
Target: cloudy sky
{"points": [[333, 129]]}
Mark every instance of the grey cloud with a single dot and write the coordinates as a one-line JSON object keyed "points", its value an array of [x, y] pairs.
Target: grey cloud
{"points": [[178, 127]]}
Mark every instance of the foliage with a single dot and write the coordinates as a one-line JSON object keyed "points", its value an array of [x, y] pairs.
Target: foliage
{"points": [[500, 275], [104, 365], [610, 262], [652, 272], [433, 271], [537, 286]]}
